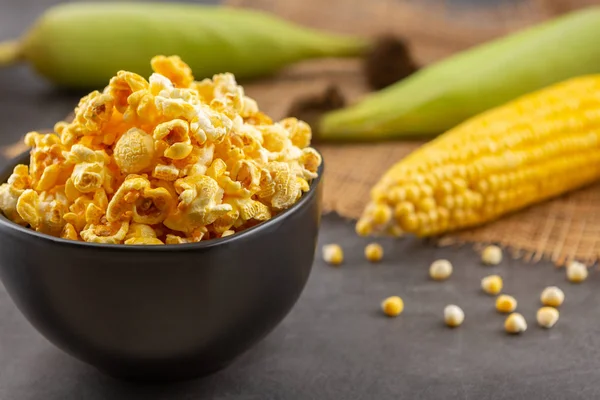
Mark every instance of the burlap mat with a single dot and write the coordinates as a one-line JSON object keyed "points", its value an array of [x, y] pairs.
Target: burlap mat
{"points": [[561, 229]]}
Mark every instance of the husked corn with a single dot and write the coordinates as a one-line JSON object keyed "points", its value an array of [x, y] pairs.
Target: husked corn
{"points": [[453, 315], [440, 270], [531, 149], [492, 284], [492, 255], [506, 303], [392, 306], [547, 317], [576, 272], [374, 252], [515, 323], [333, 254], [552, 296]]}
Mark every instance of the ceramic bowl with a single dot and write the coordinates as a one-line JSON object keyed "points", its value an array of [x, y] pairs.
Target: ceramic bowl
{"points": [[161, 312]]}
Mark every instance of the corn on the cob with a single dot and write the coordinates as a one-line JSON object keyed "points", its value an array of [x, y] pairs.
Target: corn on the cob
{"points": [[534, 148]]}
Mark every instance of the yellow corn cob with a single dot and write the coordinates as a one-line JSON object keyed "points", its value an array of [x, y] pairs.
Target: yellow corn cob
{"points": [[536, 147]]}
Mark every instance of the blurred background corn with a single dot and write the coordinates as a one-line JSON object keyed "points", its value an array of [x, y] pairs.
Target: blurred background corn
{"points": [[446, 93], [82, 45], [534, 148]]}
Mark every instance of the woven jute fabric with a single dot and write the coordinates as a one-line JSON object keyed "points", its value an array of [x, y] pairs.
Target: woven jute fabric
{"points": [[561, 229]]}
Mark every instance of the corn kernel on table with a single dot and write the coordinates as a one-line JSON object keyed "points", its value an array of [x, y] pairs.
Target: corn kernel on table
{"points": [[336, 343]]}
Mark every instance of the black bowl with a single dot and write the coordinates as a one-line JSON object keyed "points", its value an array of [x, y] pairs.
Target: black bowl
{"points": [[161, 312]]}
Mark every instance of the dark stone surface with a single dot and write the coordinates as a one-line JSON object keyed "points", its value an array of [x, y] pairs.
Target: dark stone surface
{"points": [[335, 344]]}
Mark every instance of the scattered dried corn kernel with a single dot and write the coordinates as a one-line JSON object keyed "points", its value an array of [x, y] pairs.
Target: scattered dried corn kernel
{"points": [[392, 306], [453, 315], [333, 254], [440, 270], [547, 317], [492, 284], [194, 160], [552, 296], [374, 252], [515, 323], [576, 272], [506, 303], [492, 255]]}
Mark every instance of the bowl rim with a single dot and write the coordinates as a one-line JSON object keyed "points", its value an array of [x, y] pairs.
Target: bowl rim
{"points": [[8, 167]]}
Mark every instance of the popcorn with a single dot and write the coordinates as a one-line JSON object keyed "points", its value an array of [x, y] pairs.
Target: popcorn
{"points": [[122, 86], [46, 160], [136, 200], [28, 206], [141, 234], [77, 213], [173, 135], [300, 133], [134, 151], [166, 172], [51, 208], [174, 69], [93, 113], [287, 188], [69, 232], [153, 206], [140, 231], [89, 172], [167, 160], [174, 239], [208, 124], [105, 232], [143, 241], [10, 192], [200, 203]]}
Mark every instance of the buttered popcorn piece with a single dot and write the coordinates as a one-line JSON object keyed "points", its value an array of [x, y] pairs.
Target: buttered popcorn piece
{"points": [[163, 160], [10, 192], [134, 151]]}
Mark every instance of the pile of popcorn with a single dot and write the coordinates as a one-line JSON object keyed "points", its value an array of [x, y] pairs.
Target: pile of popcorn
{"points": [[165, 161]]}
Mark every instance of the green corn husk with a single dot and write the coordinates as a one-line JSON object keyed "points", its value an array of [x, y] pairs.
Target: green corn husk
{"points": [[444, 94], [82, 45]]}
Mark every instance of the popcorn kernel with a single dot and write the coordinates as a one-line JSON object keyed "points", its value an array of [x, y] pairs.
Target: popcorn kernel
{"points": [[392, 306], [454, 316], [492, 284], [333, 254], [552, 296], [547, 317], [374, 252], [492, 255], [515, 323], [576, 272], [506, 303], [440, 270]]}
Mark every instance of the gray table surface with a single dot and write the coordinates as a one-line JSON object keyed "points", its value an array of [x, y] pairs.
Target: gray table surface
{"points": [[335, 344]]}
